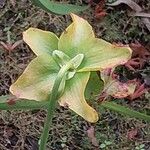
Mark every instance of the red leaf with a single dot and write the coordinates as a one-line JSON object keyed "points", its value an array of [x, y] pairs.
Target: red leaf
{"points": [[113, 87], [140, 56], [140, 90], [99, 9], [132, 134], [139, 50]]}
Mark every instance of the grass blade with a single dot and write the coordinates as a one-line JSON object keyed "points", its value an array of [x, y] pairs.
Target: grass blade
{"points": [[125, 111], [21, 104]]}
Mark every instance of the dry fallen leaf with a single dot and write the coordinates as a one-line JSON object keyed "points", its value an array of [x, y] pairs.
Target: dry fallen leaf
{"points": [[134, 6], [91, 135], [140, 56], [139, 51], [140, 90], [131, 89], [146, 22], [10, 46], [2, 3], [130, 3], [13, 2], [113, 87], [140, 14]]}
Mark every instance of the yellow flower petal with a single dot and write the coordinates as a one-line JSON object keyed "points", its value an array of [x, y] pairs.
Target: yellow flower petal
{"points": [[37, 80], [40, 41], [73, 97], [79, 38]]}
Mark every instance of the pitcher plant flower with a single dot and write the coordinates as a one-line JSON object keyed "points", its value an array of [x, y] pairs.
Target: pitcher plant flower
{"points": [[63, 65]]}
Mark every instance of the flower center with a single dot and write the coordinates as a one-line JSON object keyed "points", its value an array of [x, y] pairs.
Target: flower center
{"points": [[62, 59]]}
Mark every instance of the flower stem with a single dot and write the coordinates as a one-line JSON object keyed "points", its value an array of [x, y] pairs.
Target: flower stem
{"points": [[52, 104]]}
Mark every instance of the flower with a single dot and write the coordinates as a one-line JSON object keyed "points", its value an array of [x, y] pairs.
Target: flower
{"points": [[37, 80]]}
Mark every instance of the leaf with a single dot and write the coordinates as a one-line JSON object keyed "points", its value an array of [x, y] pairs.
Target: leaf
{"points": [[140, 56], [125, 111], [73, 97], [3, 98], [79, 38], [140, 90], [31, 104], [21, 104], [37, 80], [146, 22], [130, 89], [141, 14], [10, 47], [130, 3], [58, 8], [115, 88], [120, 90], [139, 50], [41, 42]]}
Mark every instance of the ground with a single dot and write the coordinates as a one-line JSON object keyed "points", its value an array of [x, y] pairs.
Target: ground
{"points": [[20, 130]]}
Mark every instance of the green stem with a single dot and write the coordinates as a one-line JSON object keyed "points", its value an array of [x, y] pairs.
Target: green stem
{"points": [[52, 104]]}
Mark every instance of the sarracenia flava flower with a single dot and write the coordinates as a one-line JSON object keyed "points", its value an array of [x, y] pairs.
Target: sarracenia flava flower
{"points": [[77, 45]]}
